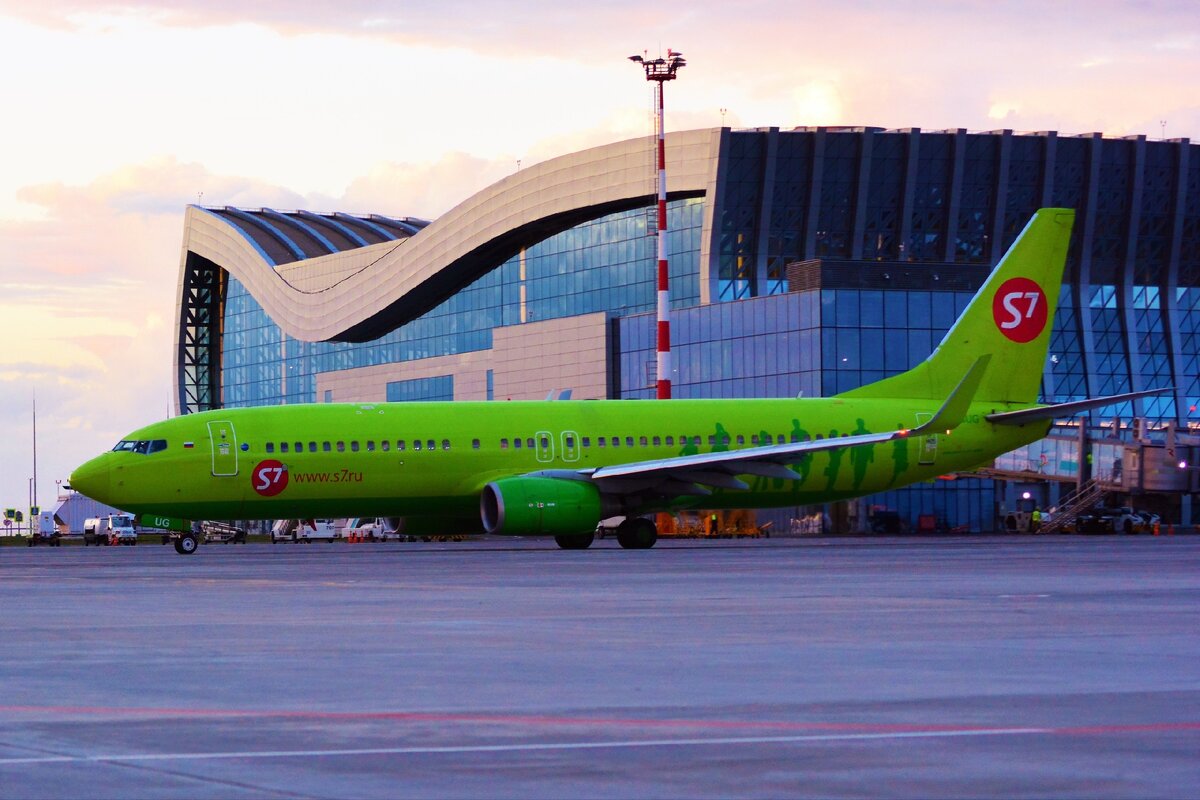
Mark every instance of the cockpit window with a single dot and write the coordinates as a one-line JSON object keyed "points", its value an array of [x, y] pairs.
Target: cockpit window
{"points": [[141, 446]]}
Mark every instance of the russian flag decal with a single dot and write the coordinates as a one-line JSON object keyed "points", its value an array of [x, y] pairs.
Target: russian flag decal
{"points": [[189, 444]]}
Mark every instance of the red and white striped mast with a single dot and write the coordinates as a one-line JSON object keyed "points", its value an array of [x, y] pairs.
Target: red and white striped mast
{"points": [[661, 70]]}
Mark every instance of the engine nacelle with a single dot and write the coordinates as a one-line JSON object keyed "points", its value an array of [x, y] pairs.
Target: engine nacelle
{"points": [[533, 506]]}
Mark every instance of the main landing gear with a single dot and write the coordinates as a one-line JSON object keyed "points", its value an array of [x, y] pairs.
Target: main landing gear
{"points": [[637, 533], [634, 533]]}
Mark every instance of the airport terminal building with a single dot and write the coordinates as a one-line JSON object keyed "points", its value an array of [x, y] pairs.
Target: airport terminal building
{"points": [[806, 261]]}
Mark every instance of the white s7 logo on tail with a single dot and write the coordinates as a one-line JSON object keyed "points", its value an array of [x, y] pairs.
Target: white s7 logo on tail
{"points": [[1009, 300]]}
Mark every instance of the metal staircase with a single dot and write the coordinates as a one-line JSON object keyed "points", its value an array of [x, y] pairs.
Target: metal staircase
{"points": [[1084, 499]]}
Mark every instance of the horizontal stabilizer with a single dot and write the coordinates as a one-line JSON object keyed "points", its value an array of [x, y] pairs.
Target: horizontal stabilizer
{"points": [[1060, 410]]}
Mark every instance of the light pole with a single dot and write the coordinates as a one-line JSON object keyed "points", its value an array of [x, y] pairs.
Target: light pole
{"points": [[661, 70]]}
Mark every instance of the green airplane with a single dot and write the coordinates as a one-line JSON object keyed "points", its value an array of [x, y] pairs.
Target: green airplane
{"points": [[558, 468]]}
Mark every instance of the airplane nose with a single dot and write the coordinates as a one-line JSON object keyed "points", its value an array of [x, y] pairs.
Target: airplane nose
{"points": [[92, 479]]}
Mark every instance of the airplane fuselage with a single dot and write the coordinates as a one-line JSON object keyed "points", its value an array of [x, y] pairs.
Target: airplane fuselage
{"points": [[433, 459]]}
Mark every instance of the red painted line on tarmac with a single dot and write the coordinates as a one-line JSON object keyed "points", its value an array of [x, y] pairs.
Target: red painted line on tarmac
{"points": [[563, 721]]}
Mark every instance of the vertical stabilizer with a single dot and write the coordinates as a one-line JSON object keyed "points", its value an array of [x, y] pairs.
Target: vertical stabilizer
{"points": [[1009, 319]]}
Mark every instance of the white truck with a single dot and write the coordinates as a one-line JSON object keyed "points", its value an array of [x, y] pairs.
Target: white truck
{"points": [[111, 530], [372, 529], [304, 530]]}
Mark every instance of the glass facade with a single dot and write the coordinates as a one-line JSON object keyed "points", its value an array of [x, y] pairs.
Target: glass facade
{"points": [[1128, 318], [605, 264], [440, 387]]}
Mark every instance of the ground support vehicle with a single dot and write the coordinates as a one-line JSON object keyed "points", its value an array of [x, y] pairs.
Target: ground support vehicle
{"points": [[373, 529], [222, 532], [304, 530], [45, 531], [111, 530]]}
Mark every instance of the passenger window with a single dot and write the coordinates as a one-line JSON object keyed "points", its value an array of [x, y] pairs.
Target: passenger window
{"points": [[696, 440], [504, 444], [570, 441], [445, 444], [325, 447], [629, 441], [474, 444], [754, 439], [780, 439], [741, 439], [712, 439], [370, 447], [299, 447], [529, 442], [599, 441], [385, 445], [416, 444], [430, 445], [586, 440], [270, 447], [616, 441], [354, 447], [517, 444], [545, 442], [283, 447], [656, 441], [725, 439], [670, 441], [399, 445], [312, 447], [341, 447]]}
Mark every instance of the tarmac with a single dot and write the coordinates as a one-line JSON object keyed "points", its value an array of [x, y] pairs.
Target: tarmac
{"points": [[933, 667]]}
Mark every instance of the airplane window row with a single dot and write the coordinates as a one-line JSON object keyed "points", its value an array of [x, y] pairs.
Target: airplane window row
{"points": [[756, 439], [516, 443], [142, 446], [369, 446]]}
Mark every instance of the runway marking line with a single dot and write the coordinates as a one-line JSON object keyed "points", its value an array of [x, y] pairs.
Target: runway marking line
{"points": [[551, 746]]}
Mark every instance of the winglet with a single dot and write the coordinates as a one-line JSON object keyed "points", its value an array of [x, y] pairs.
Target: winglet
{"points": [[952, 412]]}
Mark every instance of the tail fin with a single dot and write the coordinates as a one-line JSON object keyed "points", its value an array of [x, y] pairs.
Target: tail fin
{"points": [[1009, 319]]}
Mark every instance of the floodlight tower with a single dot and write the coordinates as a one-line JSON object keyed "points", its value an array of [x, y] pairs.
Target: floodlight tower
{"points": [[661, 70]]}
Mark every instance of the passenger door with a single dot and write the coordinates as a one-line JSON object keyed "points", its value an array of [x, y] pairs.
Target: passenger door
{"points": [[224, 449]]}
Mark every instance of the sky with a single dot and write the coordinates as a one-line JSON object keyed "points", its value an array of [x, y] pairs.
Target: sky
{"points": [[116, 115]]}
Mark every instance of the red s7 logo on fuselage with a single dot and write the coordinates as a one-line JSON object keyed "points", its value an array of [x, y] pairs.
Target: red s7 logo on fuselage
{"points": [[1019, 309], [269, 478]]}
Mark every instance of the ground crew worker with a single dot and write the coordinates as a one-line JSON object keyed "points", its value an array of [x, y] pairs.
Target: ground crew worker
{"points": [[1036, 520], [712, 524]]}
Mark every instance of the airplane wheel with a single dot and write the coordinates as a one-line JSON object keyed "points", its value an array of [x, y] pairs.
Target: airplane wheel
{"points": [[186, 544], [580, 542], [636, 533]]}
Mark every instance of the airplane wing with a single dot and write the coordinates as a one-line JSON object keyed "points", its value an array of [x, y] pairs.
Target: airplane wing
{"points": [[1060, 410], [684, 475]]}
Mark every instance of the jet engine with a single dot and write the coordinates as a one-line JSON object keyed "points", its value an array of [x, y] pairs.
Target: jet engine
{"points": [[533, 506]]}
